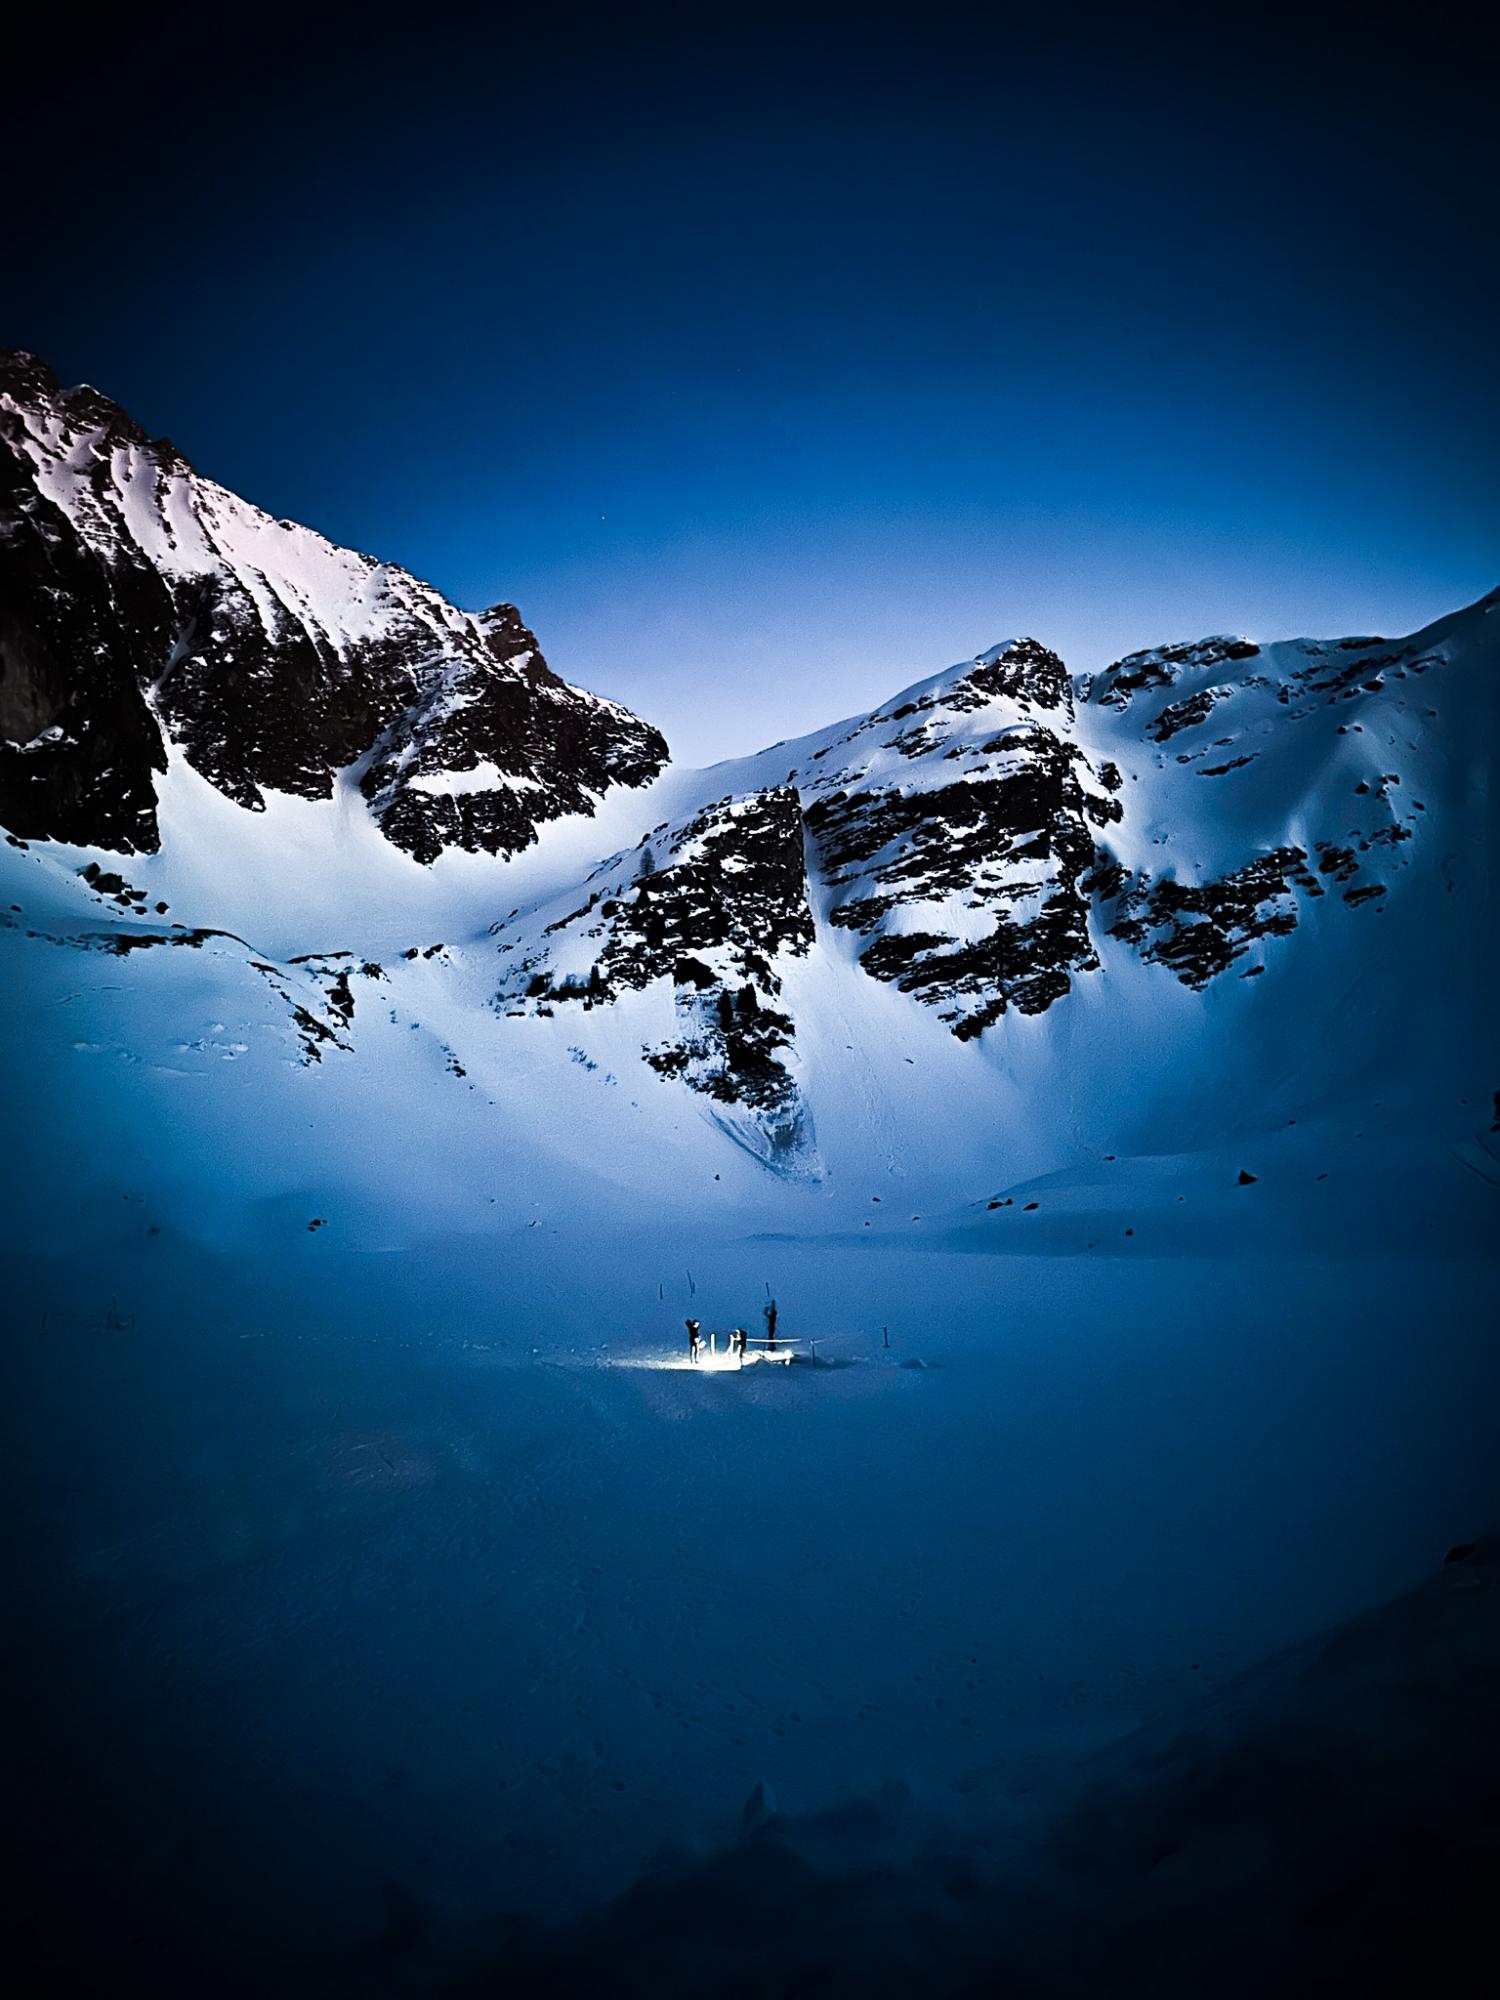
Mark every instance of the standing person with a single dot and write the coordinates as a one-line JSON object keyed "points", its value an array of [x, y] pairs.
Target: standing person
{"points": [[771, 1318], [695, 1338], [741, 1341]]}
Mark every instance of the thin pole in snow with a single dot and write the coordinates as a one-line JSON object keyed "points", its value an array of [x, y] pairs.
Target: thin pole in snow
{"points": [[887, 1332]]}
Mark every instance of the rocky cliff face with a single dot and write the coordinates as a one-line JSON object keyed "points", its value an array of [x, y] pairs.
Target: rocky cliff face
{"points": [[718, 904], [948, 834], [963, 880], [145, 606], [996, 835]]}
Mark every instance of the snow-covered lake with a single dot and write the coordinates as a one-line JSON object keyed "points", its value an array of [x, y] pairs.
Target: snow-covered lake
{"points": [[382, 1597]]}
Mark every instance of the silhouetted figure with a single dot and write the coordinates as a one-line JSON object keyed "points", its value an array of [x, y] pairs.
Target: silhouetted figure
{"points": [[741, 1339], [695, 1338], [771, 1318]]}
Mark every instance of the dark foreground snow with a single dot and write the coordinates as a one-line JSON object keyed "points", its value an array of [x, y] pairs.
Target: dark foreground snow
{"points": [[395, 1625]]}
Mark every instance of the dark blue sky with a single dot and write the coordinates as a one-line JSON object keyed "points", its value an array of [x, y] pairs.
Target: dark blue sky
{"points": [[771, 364]]}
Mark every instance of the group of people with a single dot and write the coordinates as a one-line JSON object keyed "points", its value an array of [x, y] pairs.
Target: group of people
{"points": [[739, 1338]]}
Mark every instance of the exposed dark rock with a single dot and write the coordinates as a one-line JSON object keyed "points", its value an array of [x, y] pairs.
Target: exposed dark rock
{"points": [[1162, 666], [139, 601], [1025, 671], [123, 943], [731, 1056], [314, 1034], [1200, 929], [78, 742], [713, 902], [1022, 836], [1106, 879], [1339, 862], [1185, 714], [562, 748]]}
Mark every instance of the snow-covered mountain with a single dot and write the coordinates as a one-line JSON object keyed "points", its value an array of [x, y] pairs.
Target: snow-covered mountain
{"points": [[1000, 844], [146, 610], [1099, 1071], [281, 812]]}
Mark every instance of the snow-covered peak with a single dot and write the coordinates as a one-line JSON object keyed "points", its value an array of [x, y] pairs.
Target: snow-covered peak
{"points": [[134, 498], [154, 604]]}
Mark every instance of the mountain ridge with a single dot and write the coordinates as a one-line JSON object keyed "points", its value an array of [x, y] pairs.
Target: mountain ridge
{"points": [[147, 608], [1125, 895]]}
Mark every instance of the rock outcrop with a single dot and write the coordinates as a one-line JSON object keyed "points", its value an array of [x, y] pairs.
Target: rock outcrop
{"points": [[146, 607]]}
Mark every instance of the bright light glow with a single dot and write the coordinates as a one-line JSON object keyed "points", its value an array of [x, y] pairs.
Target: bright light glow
{"points": [[707, 1363]]}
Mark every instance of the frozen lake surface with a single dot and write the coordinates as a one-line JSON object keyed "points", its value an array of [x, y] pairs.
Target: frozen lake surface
{"points": [[377, 1601]]}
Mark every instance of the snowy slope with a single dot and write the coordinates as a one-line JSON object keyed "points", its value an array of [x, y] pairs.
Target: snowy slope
{"points": [[433, 1595], [1000, 928]]}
